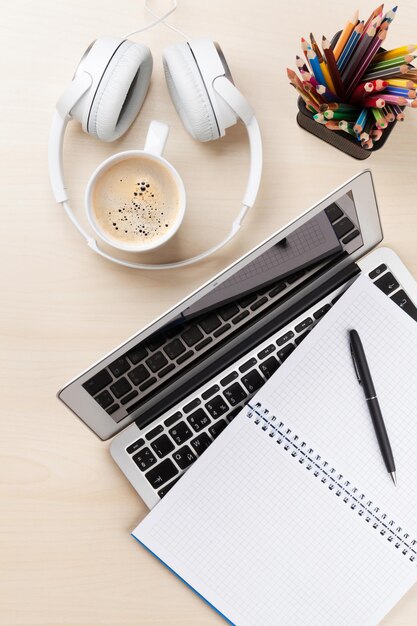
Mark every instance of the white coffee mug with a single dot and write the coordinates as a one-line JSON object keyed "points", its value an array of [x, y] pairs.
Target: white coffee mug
{"points": [[154, 147]]}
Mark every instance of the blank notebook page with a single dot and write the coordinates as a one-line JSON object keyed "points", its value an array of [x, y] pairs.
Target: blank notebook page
{"points": [[261, 537]]}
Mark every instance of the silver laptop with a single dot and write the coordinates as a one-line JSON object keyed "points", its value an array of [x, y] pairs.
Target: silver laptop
{"points": [[170, 390]]}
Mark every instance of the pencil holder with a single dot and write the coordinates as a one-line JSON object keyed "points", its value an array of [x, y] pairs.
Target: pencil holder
{"points": [[339, 139]]}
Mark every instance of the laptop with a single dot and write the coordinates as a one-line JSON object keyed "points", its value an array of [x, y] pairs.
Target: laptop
{"points": [[166, 393]]}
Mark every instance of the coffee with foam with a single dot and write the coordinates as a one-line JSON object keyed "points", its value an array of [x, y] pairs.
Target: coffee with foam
{"points": [[136, 201]]}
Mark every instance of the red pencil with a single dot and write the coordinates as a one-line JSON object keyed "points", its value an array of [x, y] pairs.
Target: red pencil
{"points": [[366, 60], [374, 101], [332, 67]]}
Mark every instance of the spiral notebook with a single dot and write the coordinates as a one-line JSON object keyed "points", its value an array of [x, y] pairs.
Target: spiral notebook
{"points": [[290, 516]]}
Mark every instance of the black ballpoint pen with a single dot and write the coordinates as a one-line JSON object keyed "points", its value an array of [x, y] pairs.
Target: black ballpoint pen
{"points": [[365, 380]]}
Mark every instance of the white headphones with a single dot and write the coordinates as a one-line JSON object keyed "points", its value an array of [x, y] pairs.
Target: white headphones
{"points": [[109, 88]]}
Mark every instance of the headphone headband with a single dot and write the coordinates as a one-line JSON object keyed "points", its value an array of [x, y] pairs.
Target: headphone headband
{"points": [[108, 90]]}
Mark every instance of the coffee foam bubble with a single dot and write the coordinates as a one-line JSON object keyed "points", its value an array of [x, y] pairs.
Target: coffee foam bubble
{"points": [[136, 201]]}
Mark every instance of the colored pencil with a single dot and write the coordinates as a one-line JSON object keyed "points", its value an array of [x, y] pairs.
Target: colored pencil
{"points": [[315, 66], [350, 46], [305, 47], [388, 114], [345, 34], [380, 120], [339, 88], [369, 124], [390, 15], [374, 101], [300, 64], [340, 115], [366, 59], [337, 106], [373, 15], [361, 120], [351, 69], [308, 78], [395, 52], [400, 100], [326, 93], [347, 127], [408, 58], [401, 82], [376, 134], [401, 91], [398, 112], [411, 103], [387, 73]]}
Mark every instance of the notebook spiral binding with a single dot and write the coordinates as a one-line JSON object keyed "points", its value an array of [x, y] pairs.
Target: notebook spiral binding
{"points": [[336, 483]]}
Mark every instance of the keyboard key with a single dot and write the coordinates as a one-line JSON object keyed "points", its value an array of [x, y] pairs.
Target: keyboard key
{"points": [[147, 384], [231, 416], [156, 341], [129, 397], [184, 457], [387, 283], [161, 473], [174, 349], [154, 432], [277, 289], [174, 418], [264, 353], [210, 323], [294, 277], [256, 305], [203, 343], [228, 311], [253, 381], [201, 443], [163, 492], [301, 338], [166, 370], [351, 236], [162, 446], [342, 227], [247, 300], [135, 446], [223, 329], [97, 382], [235, 394], [144, 459], [119, 366], [121, 387], [405, 303], [139, 374], [112, 408], [210, 392], [217, 428], [320, 312], [333, 212], [137, 354], [284, 338], [199, 420], [240, 317], [285, 352], [157, 361], [247, 366], [303, 325], [192, 335], [184, 357], [228, 379], [192, 405], [180, 433], [216, 407], [377, 271], [269, 366], [104, 399]]}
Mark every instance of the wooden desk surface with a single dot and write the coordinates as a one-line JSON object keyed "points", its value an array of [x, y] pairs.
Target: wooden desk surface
{"points": [[66, 553]]}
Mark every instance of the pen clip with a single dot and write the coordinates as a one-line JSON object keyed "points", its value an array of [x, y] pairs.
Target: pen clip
{"points": [[355, 366]]}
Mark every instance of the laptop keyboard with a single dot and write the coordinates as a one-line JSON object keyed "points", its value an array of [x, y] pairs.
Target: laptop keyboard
{"points": [[119, 387], [166, 451]]}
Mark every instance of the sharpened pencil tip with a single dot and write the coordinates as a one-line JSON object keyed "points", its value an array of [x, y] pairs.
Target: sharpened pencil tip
{"points": [[394, 477]]}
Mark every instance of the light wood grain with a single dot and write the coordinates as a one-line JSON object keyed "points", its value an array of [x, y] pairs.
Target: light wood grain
{"points": [[66, 556]]}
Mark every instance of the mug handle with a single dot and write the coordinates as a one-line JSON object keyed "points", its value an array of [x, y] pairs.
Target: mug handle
{"points": [[156, 138]]}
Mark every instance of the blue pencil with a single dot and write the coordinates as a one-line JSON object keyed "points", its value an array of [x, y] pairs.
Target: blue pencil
{"points": [[361, 121], [350, 46], [398, 91], [315, 66]]}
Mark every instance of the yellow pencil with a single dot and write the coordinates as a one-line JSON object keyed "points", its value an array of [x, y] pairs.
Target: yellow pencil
{"points": [[327, 76], [346, 33], [392, 54]]}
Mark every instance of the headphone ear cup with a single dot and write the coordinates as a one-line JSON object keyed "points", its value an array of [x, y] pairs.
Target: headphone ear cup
{"points": [[188, 93], [121, 92]]}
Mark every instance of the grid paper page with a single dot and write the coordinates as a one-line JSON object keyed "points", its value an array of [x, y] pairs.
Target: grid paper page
{"points": [[316, 389], [266, 543]]}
